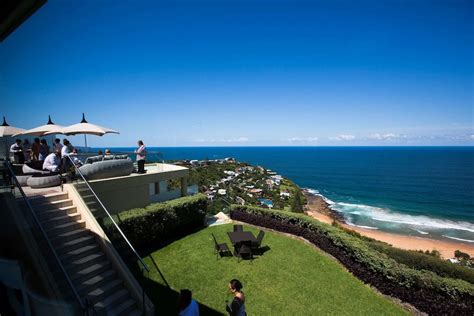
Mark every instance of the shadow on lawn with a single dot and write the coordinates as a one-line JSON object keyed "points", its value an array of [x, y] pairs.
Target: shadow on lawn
{"points": [[165, 298]]}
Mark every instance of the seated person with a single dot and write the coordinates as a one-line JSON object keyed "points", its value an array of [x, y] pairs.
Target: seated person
{"points": [[74, 158], [107, 155], [52, 161]]}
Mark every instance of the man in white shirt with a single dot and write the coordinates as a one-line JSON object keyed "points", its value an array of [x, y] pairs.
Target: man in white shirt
{"points": [[17, 150], [52, 162]]}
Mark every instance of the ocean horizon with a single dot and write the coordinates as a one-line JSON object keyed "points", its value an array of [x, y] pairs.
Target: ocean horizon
{"points": [[418, 191]]}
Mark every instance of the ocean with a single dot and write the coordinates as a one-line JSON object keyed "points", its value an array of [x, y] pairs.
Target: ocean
{"points": [[419, 191]]}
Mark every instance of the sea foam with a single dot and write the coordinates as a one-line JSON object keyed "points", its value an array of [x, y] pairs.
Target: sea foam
{"points": [[387, 216]]}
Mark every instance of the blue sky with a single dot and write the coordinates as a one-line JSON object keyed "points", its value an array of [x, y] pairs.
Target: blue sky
{"points": [[247, 73]]}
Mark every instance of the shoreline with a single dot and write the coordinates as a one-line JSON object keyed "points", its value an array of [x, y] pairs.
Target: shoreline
{"points": [[320, 210]]}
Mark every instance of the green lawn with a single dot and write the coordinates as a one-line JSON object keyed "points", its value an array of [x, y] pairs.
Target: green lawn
{"points": [[291, 278]]}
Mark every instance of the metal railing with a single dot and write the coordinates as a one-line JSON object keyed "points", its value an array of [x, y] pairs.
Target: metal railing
{"points": [[114, 223], [37, 223], [108, 214]]}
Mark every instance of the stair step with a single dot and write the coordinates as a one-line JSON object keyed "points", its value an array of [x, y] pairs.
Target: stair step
{"points": [[135, 312], [75, 244], [48, 198], [124, 308], [99, 293], [96, 281], [66, 227], [91, 271], [111, 300], [62, 219], [55, 212], [75, 254], [84, 262], [65, 237], [52, 205]]}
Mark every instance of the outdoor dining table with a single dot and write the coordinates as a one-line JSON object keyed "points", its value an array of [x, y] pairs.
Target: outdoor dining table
{"points": [[239, 237]]}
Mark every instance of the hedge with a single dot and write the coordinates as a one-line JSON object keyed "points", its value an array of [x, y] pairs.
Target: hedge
{"points": [[152, 226], [423, 289]]}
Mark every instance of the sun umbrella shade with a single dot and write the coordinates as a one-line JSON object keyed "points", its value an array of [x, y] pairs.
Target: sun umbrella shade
{"points": [[49, 128], [85, 127], [7, 130]]}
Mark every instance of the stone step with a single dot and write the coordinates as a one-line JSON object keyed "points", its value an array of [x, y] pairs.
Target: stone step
{"points": [[102, 307], [89, 272], [61, 219], [72, 255], [63, 238], [66, 227], [84, 262], [76, 243], [52, 205], [56, 212], [105, 290], [48, 198], [95, 281], [124, 308]]}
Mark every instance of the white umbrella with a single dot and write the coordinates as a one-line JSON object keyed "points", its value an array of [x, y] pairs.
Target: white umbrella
{"points": [[49, 128], [6, 132], [85, 128]]}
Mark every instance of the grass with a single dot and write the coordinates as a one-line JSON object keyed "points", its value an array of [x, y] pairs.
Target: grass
{"points": [[291, 278]]}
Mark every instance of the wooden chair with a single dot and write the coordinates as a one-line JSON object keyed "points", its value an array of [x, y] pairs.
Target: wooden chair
{"points": [[220, 249], [256, 245], [245, 251]]}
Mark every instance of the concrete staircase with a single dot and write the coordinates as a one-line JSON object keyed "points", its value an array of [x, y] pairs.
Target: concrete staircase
{"points": [[86, 264]]}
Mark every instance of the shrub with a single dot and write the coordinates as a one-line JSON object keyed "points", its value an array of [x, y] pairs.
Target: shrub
{"points": [[426, 290], [425, 261], [148, 227]]}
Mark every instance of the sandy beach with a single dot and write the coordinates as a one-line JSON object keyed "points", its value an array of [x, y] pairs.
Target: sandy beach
{"points": [[319, 209]]}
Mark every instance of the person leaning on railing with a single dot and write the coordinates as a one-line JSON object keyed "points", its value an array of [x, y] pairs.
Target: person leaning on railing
{"points": [[141, 156]]}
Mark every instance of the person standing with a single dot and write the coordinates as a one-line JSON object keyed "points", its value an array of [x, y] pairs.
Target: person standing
{"points": [[237, 306], [17, 150], [141, 156], [57, 144], [43, 150], [35, 149], [27, 149]]}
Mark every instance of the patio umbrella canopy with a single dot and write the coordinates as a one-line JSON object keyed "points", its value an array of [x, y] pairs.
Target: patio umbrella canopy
{"points": [[7, 130], [85, 128], [6, 133], [49, 128]]}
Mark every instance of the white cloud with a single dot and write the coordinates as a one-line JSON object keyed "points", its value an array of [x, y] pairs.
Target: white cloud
{"points": [[223, 140], [301, 139], [388, 136], [471, 136], [342, 137]]}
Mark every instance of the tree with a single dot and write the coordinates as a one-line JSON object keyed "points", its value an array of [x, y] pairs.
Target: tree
{"points": [[296, 205]]}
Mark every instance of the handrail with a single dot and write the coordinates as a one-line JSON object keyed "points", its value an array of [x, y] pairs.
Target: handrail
{"points": [[108, 214], [17, 184]]}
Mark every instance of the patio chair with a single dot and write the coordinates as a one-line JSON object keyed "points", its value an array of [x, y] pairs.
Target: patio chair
{"points": [[256, 245], [245, 252], [220, 249], [238, 228]]}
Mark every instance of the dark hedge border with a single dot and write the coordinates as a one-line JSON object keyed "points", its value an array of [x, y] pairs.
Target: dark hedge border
{"points": [[425, 299]]}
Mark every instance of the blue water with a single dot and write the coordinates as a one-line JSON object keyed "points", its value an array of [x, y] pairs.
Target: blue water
{"points": [[424, 191]]}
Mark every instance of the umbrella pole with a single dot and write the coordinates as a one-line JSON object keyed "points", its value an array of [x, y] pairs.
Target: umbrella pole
{"points": [[85, 141]]}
